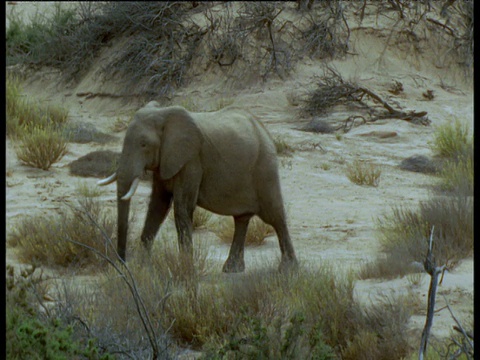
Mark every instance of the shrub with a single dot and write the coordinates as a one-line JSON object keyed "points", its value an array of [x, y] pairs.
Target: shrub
{"points": [[452, 140], [31, 334], [50, 240], [41, 146], [256, 233], [40, 40], [457, 176], [404, 232], [361, 173]]}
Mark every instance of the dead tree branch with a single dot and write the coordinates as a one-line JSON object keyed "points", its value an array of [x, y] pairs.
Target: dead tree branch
{"points": [[461, 330], [434, 271]]}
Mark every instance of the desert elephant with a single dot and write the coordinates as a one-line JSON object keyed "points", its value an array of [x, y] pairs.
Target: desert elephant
{"points": [[223, 161]]}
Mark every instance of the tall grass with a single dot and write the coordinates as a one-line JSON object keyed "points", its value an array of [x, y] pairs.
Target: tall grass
{"points": [[452, 140], [41, 146], [50, 240]]}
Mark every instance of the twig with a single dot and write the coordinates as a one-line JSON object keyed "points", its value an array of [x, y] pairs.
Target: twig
{"points": [[459, 326]]}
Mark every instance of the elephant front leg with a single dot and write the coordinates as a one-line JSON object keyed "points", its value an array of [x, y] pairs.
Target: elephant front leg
{"points": [[235, 261], [160, 202]]}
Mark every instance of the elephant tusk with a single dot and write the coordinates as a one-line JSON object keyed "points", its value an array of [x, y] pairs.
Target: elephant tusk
{"points": [[108, 180], [132, 190]]}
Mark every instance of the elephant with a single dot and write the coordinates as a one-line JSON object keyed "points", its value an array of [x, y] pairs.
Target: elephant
{"points": [[223, 161]]}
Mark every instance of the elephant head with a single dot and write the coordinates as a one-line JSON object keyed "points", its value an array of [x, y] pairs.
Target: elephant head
{"points": [[159, 140]]}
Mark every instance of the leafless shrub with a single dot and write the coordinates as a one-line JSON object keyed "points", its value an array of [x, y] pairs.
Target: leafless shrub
{"points": [[260, 20], [331, 90], [403, 230], [328, 32], [47, 240]]}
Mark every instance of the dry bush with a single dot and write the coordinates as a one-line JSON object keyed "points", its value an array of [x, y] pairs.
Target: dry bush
{"points": [[457, 176], [404, 232], [256, 233], [304, 314], [386, 267], [331, 90], [98, 163], [49, 240], [328, 33], [41, 146], [260, 20], [161, 46], [362, 173]]}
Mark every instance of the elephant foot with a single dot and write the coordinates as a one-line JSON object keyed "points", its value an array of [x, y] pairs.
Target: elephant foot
{"points": [[233, 266], [288, 265]]}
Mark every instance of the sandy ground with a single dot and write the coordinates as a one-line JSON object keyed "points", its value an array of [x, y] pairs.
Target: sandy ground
{"points": [[330, 219]]}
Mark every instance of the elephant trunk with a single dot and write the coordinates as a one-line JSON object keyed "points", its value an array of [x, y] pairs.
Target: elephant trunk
{"points": [[123, 207], [128, 178]]}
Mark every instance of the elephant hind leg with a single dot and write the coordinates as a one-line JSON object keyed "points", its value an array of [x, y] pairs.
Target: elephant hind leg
{"points": [[235, 261], [276, 217]]}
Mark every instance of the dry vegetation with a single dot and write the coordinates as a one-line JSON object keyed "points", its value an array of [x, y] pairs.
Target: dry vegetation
{"points": [[308, 314], [256, 233], [404, 232], [36, 129], [362, 173]]}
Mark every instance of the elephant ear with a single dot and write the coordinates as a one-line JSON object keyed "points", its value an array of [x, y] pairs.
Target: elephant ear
{"points": [[181, 141]]}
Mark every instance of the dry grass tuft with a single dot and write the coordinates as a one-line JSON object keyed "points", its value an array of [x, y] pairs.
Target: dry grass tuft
{"points": [[41, 146], [362, 173], [282, 147], [257, 231], [49, 240]]}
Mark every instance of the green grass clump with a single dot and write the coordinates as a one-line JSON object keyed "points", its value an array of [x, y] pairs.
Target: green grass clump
{"points": [[36, 129], [362, 173], [50, 240], [41, 146], [453, 143], [452, 140]]}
